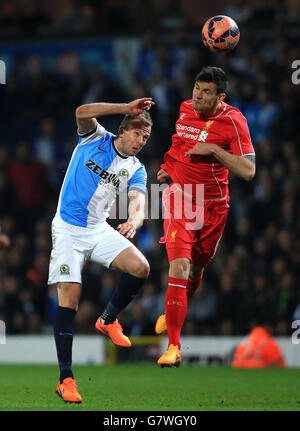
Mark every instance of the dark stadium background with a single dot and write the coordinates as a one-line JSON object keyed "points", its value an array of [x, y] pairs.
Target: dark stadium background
{"points": [[62, 54]]}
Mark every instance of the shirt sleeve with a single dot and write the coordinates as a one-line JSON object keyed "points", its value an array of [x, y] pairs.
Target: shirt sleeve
{"points": [[138, 181], [97, 133], [240, 140]]}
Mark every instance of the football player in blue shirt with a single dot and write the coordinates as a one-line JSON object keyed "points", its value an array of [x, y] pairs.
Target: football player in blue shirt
{"points": [[102, 166]]}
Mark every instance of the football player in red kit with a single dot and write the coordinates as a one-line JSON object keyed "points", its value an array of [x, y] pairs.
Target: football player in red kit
{"points": [[211, 139]]}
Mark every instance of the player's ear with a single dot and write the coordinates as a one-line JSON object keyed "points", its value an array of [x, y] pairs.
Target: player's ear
{"points": [[121, 130], [221, 96]]}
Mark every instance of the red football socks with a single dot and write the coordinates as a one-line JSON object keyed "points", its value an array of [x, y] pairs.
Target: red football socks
{"points": [[176, 308]]}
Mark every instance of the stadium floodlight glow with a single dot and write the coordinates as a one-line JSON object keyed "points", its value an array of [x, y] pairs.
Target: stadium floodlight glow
{"points": [[2, 332], [2, 72]]}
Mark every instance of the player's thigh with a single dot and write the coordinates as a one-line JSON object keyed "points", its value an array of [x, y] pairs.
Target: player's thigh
{"points": [[209, 236], [179, 243], [116, 251], [131, 260], [69, 294], [68, 255]]}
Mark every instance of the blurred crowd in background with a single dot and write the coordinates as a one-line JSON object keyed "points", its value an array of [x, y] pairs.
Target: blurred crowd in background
{"points": [[253, 277]]}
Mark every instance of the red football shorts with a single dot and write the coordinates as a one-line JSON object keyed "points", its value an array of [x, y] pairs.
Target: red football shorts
{"points": [[198, 244]]}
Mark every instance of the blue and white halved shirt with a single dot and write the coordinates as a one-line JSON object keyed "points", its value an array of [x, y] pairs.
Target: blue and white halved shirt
{"points": [[97, 172]]}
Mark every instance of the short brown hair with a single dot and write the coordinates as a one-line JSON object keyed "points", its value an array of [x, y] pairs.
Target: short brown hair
{"points": [[213, 74], [143, 119]]}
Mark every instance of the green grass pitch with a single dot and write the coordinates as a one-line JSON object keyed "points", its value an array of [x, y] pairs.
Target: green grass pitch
{"points": [[146, 387]]}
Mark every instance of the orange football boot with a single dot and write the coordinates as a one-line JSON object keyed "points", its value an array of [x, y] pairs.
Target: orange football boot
{"points": [[114, 331], [172, 357], [67, 390], [161, 325]]}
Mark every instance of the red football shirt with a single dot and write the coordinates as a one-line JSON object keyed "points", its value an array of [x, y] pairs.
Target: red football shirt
{"points": [[227, 128]]}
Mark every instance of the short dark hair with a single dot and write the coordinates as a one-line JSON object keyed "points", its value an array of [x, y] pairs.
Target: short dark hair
{"points": [[143, 119], [213, 74]]}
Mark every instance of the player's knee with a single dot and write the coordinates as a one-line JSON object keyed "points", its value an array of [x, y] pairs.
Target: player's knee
{"points": [[141, 269], [68, 295], [144, 270], [179, 272], [179, 268]]}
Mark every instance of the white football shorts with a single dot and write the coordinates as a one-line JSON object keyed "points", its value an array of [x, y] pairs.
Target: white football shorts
{"points": [[73, 245]]}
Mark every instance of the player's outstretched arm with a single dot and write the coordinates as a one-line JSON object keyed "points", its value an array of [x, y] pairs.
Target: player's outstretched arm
{"points": [[136, 210], [86, 114]]}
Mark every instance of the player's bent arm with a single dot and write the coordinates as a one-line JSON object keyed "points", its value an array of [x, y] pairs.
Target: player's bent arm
{"points": [[86, 114], [242, 166], [136, 208], [136, 217]]}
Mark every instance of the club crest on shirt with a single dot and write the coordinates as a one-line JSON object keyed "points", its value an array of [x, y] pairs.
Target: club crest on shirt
{"points": [[64, 269], [208, 124], [123, 173], [173, 235]]}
